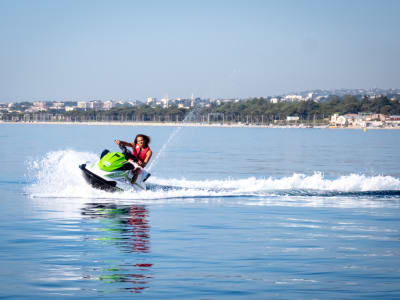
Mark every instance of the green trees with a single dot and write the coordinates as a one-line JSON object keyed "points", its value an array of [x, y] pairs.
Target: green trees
{"points": [[255, 110], [349, 105], [261, 109], [380, 105]]}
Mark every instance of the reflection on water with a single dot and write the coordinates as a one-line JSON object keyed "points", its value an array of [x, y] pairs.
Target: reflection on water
{"points": [[127, 228], [138, 280]]}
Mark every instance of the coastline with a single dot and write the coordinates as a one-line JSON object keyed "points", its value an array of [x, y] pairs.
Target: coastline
{"points": [[194, 124]]}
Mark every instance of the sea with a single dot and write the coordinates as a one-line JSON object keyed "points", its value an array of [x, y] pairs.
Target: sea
{"points": [[230, 213]]}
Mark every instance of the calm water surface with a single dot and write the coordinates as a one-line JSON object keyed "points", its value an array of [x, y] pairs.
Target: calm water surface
{"points": [[231, 213]]}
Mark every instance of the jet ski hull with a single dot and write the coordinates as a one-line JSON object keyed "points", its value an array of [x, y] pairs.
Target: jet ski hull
{"points": [[97, 181]]}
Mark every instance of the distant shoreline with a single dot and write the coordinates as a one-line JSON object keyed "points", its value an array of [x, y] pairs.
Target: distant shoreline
{"points": [[192, 124]]}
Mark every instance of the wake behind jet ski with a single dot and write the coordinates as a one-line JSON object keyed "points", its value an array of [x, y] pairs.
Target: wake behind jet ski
{"points": [[116, 171]]}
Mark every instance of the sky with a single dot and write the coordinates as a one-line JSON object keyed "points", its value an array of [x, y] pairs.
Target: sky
{"points": [[60, 50]]}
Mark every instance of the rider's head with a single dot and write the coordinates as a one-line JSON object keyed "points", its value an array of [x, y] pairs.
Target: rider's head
{"points": [[142, 140]]}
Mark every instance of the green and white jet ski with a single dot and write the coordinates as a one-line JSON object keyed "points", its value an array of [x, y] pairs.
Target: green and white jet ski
{"points": [[113, 172]]}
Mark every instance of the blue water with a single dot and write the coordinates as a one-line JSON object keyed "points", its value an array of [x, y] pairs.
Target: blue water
{"points": [[231, 213]]}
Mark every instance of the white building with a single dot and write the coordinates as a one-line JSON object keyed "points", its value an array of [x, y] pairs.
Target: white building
{"points": [[39, 106], [348, 120], [393, 120], [57, 105], [134, 103], [151, 101], [292, 118], [95, 104], [82, 104], [320, 98], [274, 100], [108, 105], [293, 98], [165, 102], [181, 105]]}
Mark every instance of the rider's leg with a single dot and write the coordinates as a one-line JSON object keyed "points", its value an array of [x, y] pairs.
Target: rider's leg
{"points": [[135, 175]]}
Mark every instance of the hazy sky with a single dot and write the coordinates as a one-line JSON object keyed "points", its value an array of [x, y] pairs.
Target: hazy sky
{"points": [[130, 50]]}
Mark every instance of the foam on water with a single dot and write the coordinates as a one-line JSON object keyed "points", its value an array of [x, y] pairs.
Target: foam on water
{"points": [[315, 182], [57, 175]]}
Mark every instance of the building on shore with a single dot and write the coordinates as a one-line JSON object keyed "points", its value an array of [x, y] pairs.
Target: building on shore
{"points": [[364, 120], [107, 105], [393, 121]]}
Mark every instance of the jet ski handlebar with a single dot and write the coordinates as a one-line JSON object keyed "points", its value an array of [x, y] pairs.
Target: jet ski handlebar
{"points": [[128, 155], [123, 148]]}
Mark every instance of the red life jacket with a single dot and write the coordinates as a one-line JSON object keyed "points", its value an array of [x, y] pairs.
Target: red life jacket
{"points": [[140, 153]]}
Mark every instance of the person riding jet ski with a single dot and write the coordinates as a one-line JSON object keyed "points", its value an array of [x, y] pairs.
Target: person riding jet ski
{"points": [[141, 153]]}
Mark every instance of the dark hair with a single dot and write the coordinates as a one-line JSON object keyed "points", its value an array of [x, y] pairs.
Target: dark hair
{"points": [[146, 140]]}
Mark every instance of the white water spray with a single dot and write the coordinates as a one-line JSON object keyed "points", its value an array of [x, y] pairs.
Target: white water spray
{"points": [[56, 175]]}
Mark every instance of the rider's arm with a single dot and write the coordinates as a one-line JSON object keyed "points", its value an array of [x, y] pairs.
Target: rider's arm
{"points": [[126, 144], [146, 160]]}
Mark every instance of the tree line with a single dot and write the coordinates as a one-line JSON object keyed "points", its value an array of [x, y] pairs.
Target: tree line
{"points": [[257, 110], [308, 110]]}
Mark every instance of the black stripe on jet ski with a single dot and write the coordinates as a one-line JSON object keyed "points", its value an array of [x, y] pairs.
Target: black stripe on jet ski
{"points": [[98, 182]]}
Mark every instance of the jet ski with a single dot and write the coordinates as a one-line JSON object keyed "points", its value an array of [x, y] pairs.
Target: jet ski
{"points": [[114, 172]]}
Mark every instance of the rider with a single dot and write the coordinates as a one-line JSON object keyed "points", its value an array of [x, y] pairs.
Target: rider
{"points": [[141, 151]]}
